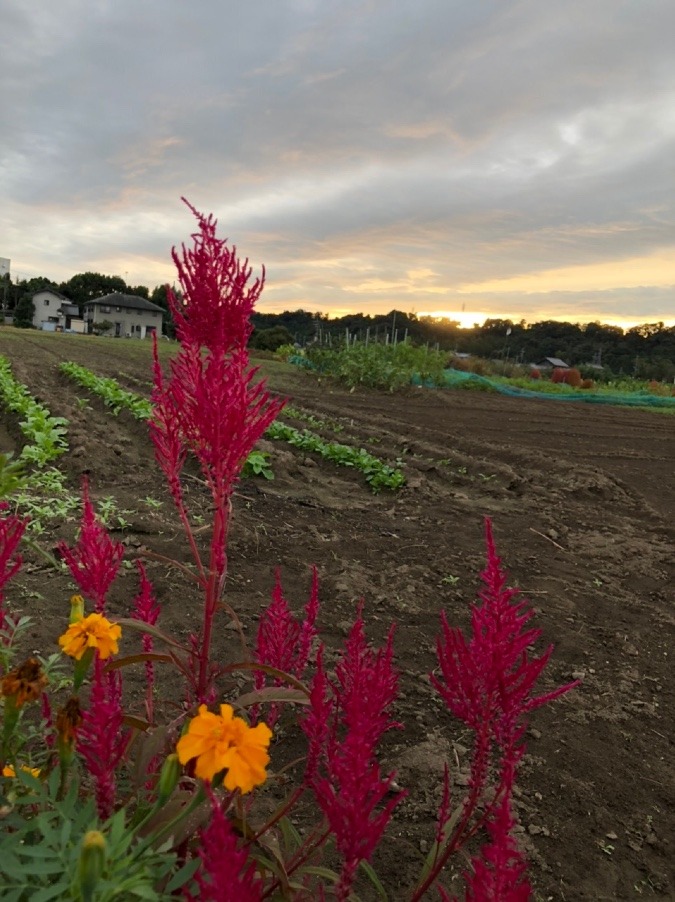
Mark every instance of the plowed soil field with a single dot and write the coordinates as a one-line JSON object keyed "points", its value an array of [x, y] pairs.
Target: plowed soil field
{"points": [[583, 505]]}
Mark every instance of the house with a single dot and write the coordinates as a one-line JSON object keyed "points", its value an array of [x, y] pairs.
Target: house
{"points": [[55, 313], [129, 316], [552, 363]]}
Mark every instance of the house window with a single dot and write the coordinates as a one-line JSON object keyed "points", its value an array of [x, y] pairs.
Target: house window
{"points": [[105, 309], [46, 302], [118, 309]]}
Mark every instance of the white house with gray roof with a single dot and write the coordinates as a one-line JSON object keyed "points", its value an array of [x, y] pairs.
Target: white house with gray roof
{"points": [[53, 312], [130, 316]]}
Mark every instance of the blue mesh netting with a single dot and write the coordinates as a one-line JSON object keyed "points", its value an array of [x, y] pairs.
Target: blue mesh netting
{"points": [[638, 399], [455, 378]]}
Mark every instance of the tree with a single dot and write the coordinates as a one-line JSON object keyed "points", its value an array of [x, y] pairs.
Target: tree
{"points": [[87, 286], [24, 312], [102, 327], [159, 297], [271, 339], [141, 291]]}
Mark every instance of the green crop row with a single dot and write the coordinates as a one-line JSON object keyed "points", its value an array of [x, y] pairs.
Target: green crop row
{"points": [[378, 474], [42, 494], [45, 434], [109, 390]]}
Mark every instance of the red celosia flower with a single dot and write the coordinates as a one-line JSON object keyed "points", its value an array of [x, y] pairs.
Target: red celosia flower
{"points": [[11, 531], [101, 738], [499, 872], [283, 641], [95, 559], [488, 682], [146, 610], [345, 722], [490, 678], [226, 873], [212, 405], [216, 302]]}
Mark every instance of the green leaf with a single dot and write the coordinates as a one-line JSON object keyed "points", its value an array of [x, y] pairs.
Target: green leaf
{"points": [[367, 868], [182, 876]]}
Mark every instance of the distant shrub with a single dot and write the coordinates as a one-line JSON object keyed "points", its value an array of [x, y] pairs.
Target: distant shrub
{"points": [[570, 377], [479, 366], [458, 363], [587, 383], [535, 373], [655, 387], [283, 352]]}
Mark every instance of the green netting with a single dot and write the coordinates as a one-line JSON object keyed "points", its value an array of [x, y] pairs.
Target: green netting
{"points": [[637, 399], [454, 378]]}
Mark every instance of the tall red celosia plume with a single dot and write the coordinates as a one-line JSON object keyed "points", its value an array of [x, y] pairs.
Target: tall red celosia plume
{"points": [[226, 874], [500, 872], [490, 677], [345, 721], [487, 681], [11, 532], [283, 641], [95, 558], [216, 302], [102, 739], [212, 405], [146, 610]]}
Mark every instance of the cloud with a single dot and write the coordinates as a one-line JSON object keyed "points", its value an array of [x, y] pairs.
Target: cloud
{"points": [[371, 155]]}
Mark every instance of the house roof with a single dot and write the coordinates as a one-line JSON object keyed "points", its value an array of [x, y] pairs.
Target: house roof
{"points": [[556, 361], [128, 301], [53, 291]]}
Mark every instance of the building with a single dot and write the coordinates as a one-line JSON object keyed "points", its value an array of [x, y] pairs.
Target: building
{"points": [[53, 312], [552, 363], [129, 316]]}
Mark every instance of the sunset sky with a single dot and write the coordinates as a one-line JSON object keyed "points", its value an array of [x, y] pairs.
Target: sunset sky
{"points": [[511, 159]]}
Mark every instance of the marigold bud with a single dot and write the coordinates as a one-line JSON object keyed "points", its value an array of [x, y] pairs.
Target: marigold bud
{"points": [[92, 863], [76, 608]]}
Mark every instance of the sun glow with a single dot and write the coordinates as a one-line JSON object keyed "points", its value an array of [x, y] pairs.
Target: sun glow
{"points": [[466, 320]]}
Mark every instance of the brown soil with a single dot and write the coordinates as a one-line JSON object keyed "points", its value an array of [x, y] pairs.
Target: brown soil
{"points": [[583, 504]]}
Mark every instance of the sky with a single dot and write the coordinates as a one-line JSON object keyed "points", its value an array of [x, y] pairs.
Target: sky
{"points": [[511, 159]]}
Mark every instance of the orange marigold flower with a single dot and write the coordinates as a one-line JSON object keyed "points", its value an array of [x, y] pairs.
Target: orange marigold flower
{"points": [[25, 683], [219, 741], [8, 770], [94, 631]]}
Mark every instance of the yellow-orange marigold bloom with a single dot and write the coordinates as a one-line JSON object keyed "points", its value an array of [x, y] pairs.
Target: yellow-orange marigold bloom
{"points": [[94, 631], [8, 770], [219, 741], [25, 683]]}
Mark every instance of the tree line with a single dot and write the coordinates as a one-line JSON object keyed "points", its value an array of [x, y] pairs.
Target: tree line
{"points": [[645, 351]]}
